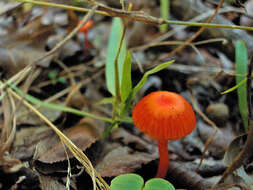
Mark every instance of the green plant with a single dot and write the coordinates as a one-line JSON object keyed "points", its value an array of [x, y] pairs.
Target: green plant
{"points": [[118, 73], [165, 13], [241, 79], [136, 182], [241, 71], [53, 76]]}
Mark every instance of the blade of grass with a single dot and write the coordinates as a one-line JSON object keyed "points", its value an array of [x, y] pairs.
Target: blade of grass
{"points": [[126, 83], [241, 69], [145, 76], [38, 102], [235, 87], [165, 13]]}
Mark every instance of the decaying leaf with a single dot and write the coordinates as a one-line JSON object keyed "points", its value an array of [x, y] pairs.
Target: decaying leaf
{"points": [[83, 135], [126, 154], [134, 141], [47, 183], [27, 139], [122, 159], [22, 46], [25, 116]]}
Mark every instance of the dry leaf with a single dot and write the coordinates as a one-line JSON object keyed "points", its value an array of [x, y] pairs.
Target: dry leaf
{"points": [[122, 160], [83, 135]]}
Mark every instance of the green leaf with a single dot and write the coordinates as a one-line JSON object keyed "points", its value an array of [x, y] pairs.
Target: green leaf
{"points": [[145, 76], [241, 59], [136, 182], [105, 101], [126, 83], [107, 131], [127, 182], [52, 75], [62, 80], [235, 87], [112, 49], [158, 184]]}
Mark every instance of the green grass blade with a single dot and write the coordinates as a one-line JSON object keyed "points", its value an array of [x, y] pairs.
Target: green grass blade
{"points": [[126, 82], [165, 13], [150, 72], [112, 50], [235, 87], [241, 58], [38, 102]]}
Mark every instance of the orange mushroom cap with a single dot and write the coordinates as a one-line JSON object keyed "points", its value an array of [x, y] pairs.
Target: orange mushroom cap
{"points": [[85, 28], [164, 115]]}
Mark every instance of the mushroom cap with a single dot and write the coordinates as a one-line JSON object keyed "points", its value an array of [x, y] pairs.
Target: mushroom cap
{"points": [[164, 115], [87, 26]]}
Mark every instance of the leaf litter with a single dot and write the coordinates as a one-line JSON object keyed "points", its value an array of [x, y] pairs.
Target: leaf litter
{"points": [[125, 150]]}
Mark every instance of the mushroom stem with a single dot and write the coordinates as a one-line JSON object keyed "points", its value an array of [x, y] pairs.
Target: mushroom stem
{"points": [[164, 158]]}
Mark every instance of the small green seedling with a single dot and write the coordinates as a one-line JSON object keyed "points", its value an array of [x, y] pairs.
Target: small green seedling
{"points": [[136, 182], [55, 79], [118, 75]]}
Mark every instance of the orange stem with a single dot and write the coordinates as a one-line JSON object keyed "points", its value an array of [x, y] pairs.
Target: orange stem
{"points": [[164, 158]]}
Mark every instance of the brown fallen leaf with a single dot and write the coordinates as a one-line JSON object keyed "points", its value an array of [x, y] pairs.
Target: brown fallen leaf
{"points": [[48, 183], [122, 159], [83, 135], [21, 46], [135, 142], [27, 139]]}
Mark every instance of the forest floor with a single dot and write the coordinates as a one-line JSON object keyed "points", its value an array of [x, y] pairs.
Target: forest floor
{"points": [[69, 78]]}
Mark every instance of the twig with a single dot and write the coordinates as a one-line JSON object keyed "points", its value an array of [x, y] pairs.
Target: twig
{"points": [[242, 157], [210, 139], [198, 32], [249, 80], [178, 173], [165, 43], [135, 15]]}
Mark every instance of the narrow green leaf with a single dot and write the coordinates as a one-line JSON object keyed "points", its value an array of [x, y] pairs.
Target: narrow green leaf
{"points": [[126, 83], [52, 75], [241, 59], [108, 130], [127, 182], [106, 101], [235, 87], [112, 49], [150, 72], [38, 102], [158, 184], [165, 13]]}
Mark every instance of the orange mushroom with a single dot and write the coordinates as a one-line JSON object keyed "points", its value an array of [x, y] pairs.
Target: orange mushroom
{"points": [[164, 116], [84, 29]]}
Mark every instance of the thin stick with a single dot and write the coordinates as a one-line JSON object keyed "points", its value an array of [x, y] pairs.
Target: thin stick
{"points": [[199, 31], [135, 15]]}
